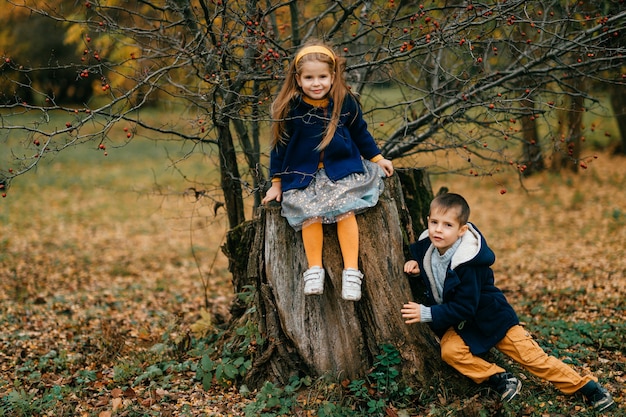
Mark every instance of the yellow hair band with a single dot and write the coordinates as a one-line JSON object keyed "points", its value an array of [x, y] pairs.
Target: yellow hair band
{"points": [[315, 49]]}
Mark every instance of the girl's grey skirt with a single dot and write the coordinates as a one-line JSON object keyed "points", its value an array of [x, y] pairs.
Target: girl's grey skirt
{"points": [[326, 201]]}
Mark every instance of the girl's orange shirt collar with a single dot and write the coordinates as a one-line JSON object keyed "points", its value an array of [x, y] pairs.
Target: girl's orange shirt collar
{"points": [[316, 103]]}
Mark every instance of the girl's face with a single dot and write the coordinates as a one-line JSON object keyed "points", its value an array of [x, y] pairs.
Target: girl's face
{"points": [[315, 79], [444, 228]]}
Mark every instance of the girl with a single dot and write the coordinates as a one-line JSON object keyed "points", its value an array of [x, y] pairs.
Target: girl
{"points": [[319, 140]]}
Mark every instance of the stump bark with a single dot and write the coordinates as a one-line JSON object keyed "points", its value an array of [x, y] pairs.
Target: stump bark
{"points": [[326, 335]]}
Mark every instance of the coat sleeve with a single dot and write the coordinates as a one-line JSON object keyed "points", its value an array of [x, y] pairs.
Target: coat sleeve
{"points": [[278, 152], [358, 129], [277, 156]]}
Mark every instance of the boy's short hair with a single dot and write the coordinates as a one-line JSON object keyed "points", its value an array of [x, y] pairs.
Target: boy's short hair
{"points": [[447, 201]]}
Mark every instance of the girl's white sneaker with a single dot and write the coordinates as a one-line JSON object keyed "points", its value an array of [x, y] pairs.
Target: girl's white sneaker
{"points": [[314, 280], [351, 284]]}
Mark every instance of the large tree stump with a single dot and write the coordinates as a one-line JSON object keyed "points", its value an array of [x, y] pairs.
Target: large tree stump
{"points": [[325, 334]]}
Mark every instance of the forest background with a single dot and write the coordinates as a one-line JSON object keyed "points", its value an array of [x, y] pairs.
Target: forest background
{"points": [[112, 274]]}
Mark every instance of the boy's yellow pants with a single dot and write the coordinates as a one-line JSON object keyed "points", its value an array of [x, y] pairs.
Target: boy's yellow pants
{"points": [[519, 345]]}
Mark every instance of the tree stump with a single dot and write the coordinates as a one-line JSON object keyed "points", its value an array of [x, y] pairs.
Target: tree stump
{"points": [[324, 334]]}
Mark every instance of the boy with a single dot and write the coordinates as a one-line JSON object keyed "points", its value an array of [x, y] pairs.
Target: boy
{"points": [[471, 315]]}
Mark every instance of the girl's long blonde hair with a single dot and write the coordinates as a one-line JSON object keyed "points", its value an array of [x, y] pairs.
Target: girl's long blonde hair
{"points": [[291, 90]]}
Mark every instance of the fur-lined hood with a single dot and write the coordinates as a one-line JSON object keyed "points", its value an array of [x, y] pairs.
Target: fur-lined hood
{"points": [[473, 250]]}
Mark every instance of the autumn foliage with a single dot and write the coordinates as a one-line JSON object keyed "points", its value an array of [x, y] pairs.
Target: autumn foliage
{"points": [[100, 298], [113, 287]]}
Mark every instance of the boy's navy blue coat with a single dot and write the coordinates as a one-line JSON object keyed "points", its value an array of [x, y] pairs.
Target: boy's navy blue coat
{"points": [[471, 303], [297, 160]]}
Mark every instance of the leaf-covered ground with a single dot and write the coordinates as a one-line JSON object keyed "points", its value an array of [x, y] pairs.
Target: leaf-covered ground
{"points": [[99, 287]]}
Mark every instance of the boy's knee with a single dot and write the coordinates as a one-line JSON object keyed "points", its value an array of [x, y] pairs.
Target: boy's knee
{"points": [[449, 353], [452, 347]]}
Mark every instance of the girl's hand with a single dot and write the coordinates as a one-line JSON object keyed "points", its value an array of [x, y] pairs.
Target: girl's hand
{"points": [[387, 166], [274, 193], [411, 267], [411, 312]]}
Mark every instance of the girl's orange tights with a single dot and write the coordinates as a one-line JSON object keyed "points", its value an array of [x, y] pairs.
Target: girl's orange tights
{"points": [[348, 235]]}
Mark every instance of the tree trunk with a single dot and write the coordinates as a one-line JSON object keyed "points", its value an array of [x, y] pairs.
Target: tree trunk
{"points": [[533, 157], [229, 174], [575, 129], [326, 335], [618, 103], [570, 131]]}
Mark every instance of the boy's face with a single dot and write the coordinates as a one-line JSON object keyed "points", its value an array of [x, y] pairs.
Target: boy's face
{"points": [[315, 79], [444, 228]]}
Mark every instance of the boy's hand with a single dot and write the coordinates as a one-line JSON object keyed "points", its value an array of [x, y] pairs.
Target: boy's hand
{"points": [[411, 267], [411, 312]]}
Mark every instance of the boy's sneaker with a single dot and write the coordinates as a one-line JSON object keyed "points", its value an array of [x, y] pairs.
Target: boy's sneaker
{"points": [[505, 384], [351, 284], [314, 280], [597, 396]]}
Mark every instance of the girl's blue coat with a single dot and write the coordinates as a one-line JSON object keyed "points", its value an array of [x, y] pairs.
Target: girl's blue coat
{"points": [[471, 303], [297, 160]]}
